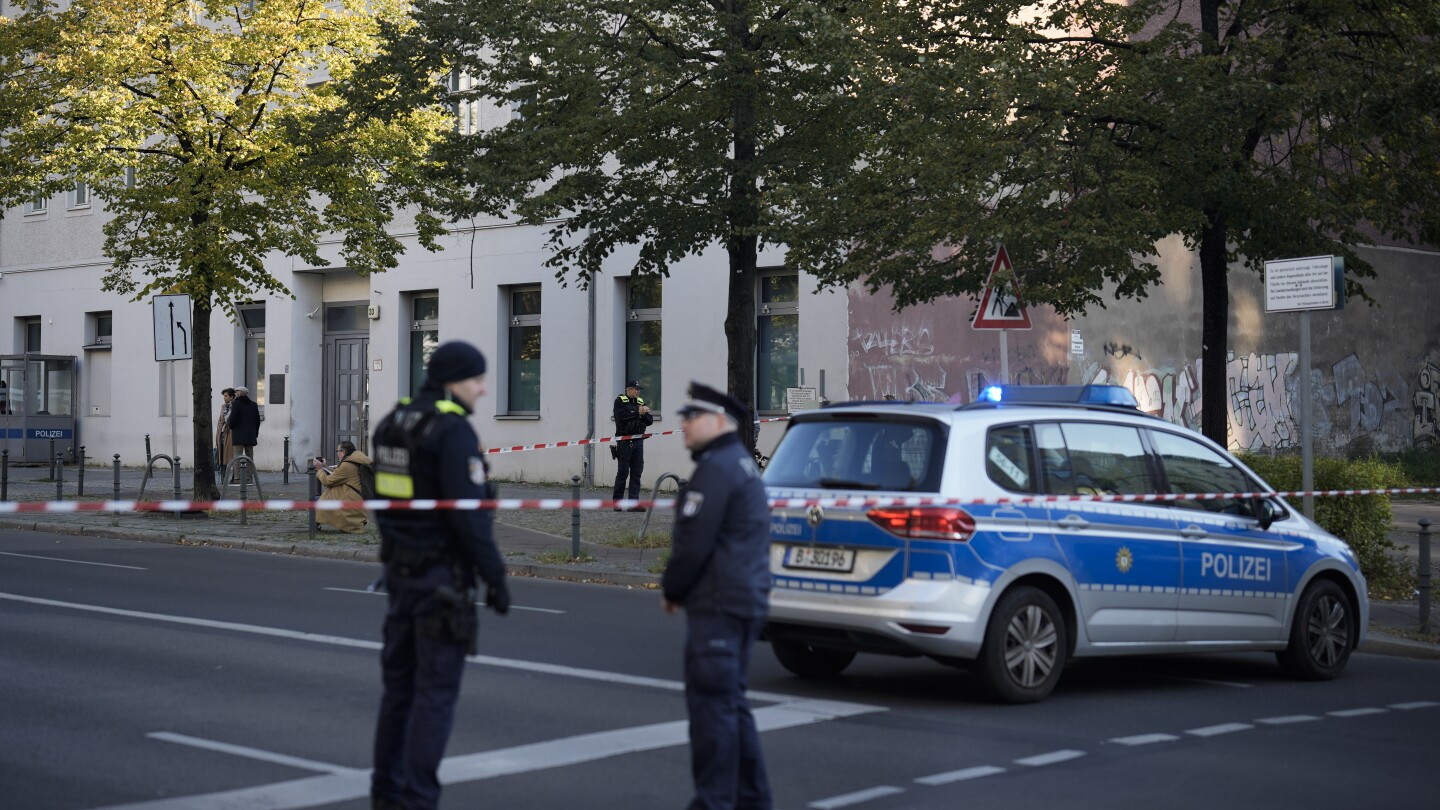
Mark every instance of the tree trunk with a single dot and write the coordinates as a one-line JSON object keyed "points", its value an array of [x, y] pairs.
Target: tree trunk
{"points": [[743, 214], [201, 402], [740, 327], [1214, 329]]}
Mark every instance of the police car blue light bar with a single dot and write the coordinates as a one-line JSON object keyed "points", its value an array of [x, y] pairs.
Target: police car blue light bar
{"points": [[1114, 395]]}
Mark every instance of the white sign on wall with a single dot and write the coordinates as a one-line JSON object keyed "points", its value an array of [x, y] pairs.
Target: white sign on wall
{"points": [[801, 399], [1315, 282]]}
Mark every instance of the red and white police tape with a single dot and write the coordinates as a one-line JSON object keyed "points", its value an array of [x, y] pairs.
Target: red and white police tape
{"points": [[10, 507], [602, 440]]}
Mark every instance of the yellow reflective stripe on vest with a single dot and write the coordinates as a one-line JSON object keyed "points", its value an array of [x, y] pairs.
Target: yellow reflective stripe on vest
{"points": [[446, 406]]}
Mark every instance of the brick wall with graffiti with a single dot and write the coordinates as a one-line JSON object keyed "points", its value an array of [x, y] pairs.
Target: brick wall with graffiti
{"points": [[1375, 371]]}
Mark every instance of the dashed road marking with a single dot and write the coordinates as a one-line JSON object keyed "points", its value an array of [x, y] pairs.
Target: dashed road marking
{"points": [[77, 562], [1223, 728], [1051, 758], [1415, 704], [251, 753], [960, 775], [480, 604], [1287, 719], [1357, 712], [856, 798], [1145, 739]]}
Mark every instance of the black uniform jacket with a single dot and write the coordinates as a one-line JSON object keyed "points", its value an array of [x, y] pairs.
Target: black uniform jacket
{"points": [[628, 419], [449, 467], [244, 422], [720, 552]]}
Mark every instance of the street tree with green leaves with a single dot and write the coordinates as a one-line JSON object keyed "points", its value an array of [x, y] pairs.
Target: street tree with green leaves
{"points": [[1254, 129], [218, 134], [673, 125]]}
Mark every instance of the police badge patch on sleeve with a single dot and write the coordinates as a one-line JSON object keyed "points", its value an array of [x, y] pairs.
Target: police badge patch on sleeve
{"points": [[693, 502], [477, 471]]}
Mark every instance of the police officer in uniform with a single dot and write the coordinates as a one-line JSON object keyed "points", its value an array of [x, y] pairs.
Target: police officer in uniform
{"points": [[632, 416], [427, 449], [719, 573]]}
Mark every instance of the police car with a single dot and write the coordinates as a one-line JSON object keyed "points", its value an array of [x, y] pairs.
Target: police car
{"points": [[1010, 582]]}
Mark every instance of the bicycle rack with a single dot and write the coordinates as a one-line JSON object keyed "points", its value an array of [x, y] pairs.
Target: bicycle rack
{"points": [[249, 474], [149, 469], [654, 491]]}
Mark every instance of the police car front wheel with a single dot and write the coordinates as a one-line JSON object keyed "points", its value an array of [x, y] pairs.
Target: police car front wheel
{"points": [[1322, 634], [1025, 647], [809, 661]]}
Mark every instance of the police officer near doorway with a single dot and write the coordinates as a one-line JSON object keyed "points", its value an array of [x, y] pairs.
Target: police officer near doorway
{"points": [[632, 416], [719, 572], [427, 449]]}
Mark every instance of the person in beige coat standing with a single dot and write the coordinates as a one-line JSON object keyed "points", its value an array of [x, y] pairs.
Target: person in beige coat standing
{"points": [[342, 483]]}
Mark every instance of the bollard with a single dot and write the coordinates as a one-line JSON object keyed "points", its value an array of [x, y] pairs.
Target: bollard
{"points": [[147, 450], [80, 473], [117, 479], [244, 479], [1424, 575], [4, 475], [53, 459], [575, 517], [312, 487], [175, 474], [285, 462], [59, 479]]}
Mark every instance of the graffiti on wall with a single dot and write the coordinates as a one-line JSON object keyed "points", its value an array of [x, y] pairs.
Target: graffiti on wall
{"points": [[1427, 396]]}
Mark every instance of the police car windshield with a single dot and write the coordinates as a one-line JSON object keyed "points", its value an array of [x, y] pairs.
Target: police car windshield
{"points": [[890, 454]]}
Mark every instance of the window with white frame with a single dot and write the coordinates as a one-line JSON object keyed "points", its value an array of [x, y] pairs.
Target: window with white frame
{"points": [[465, 106], [252, 324], [777, 339], [642, 336], [129, 177], [38, 204], [424, 335], [79, 196], [522, 390]]}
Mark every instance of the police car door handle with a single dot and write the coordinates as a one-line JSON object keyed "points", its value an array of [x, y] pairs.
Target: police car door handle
{"points": [[1074, 522], [1193, 531]]}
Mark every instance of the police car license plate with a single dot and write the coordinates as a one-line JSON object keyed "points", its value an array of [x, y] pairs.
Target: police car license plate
{"points": [[822, 559]]}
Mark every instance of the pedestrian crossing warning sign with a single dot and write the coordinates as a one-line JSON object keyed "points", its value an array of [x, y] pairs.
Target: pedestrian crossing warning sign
{"points": [[1001, 306]]}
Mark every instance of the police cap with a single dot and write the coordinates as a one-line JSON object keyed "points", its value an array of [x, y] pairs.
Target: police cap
{"points": [[634, 384], [705, 399], [455, 361]]}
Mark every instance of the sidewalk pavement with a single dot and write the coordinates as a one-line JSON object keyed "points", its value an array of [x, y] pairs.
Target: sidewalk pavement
{"points": [[536, 543]]}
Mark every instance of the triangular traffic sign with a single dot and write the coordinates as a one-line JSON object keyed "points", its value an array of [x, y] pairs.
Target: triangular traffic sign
{"points": [[1001, 308]]}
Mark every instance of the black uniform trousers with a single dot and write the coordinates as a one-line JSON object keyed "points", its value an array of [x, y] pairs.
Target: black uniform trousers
{"points": [[631, 455], [725, 758], [422, 671]]}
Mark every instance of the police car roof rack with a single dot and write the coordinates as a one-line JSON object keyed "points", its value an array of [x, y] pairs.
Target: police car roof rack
{"points": [[1099, 397]]}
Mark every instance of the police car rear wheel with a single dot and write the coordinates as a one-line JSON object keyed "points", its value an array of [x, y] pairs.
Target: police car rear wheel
{"points": [[1322, 634], [1025, 647], [809, 661]]}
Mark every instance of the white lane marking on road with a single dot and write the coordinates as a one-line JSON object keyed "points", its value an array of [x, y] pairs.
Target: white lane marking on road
{"points": [[250, 753], [1356, 712], [856, 798], [1051, 758], [1415, 704], [1223, 728], [1144, 739], [827, 708], [960, 775], [1287, 719], [78, 562], [347, 785], [481, 604]]}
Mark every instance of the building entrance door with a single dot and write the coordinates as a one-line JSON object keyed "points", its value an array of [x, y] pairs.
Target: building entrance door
{"points": [[347, 378]]}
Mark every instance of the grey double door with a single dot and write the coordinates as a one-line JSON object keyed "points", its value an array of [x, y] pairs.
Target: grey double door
{"points": [[347, 391]]}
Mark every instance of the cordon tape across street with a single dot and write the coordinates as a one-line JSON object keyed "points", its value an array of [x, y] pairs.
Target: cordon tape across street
{"points": [[10, 507]]}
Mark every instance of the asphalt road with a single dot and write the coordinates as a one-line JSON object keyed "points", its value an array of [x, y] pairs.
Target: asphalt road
{"points": [[157, 676]]}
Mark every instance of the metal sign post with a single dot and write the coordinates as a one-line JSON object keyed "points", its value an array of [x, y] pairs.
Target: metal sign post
{"points": [[1001, 307], [172, 342], [1302, 285]]}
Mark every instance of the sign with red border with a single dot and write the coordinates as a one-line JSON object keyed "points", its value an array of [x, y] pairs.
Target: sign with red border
{"points": [[1001, 306]]}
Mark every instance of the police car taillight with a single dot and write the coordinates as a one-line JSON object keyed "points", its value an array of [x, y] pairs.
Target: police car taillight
{"points": [[924, 522]]}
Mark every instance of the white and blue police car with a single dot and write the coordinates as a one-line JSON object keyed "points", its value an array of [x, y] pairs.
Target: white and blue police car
{"points": [[1020, 569]]}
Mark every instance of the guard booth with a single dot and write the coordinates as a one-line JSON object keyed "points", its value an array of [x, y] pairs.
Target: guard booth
{"points": [[37, 404]]}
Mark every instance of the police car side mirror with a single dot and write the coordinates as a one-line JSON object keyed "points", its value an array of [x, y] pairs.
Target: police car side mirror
{"points": [[1265, 512]]}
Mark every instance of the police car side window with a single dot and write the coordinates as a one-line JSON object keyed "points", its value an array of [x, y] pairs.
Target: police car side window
{"points": [[1107, 459], [1009, 461], [1193, 467], [1054, 460]]}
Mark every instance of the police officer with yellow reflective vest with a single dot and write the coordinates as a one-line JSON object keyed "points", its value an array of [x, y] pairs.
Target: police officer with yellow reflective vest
{"points": [[632, 417], [719, 572], [426, 449]]}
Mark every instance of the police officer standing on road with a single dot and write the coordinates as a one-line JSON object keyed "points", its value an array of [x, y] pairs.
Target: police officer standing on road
{"points": [[719, 572], [632, 416], [427, 449]]}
